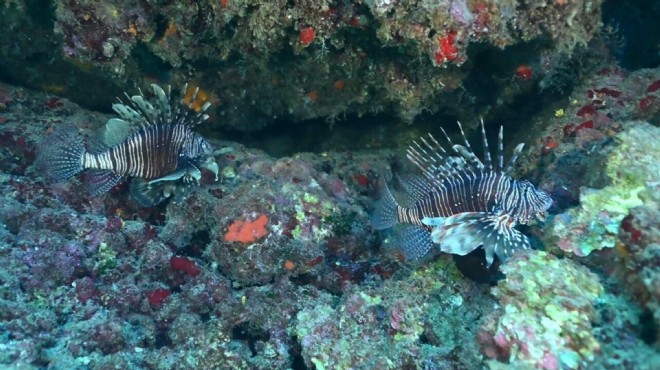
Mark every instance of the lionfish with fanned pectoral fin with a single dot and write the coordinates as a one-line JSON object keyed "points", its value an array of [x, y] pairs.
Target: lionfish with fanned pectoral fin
{"points": [[152, 143], [462, 202]]}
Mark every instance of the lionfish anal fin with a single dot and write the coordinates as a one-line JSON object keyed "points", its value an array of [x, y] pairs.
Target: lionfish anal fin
{"points": [[99, 182], [464, 232], [415, 242]]}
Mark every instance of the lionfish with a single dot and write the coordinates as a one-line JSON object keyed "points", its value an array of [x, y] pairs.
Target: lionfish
{"points": [[462, 203], [152, 143]]}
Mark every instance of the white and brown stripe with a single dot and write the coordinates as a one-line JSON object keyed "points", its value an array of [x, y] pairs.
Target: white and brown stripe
{"points": [[459, 182], [150, 153], [462, 193]]}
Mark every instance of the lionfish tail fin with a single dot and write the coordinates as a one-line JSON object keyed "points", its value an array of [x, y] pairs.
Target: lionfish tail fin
{"points": [[61, 154], [415, 242], [462, 233], [385, 215]]}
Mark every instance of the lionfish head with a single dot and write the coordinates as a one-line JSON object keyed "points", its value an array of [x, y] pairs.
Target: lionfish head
{"points": [[534, 203], [197, 147]]}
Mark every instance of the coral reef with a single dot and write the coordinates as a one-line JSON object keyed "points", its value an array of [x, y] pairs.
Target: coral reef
{"points": [[634, 174], [639, 257], [545, 316], [261, 61], [275, 265], [212, 281], [425, 321]]}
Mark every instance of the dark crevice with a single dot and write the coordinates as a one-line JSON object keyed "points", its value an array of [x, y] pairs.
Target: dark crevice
{"points": [[633, 25], [295, 351], [197, 244], [649, 331], [243, 332], [162, 339]]}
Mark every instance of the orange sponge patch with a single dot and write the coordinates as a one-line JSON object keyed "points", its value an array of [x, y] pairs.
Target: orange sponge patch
{"points": [[246, 231]]}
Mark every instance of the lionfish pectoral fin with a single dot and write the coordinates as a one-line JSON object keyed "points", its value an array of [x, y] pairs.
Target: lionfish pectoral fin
{"points": [[504, 245], [415, 241], [223, 151], [147, 194], [434, 221], [174, 176], [211, 165], [457, 234], [100, 182], [462, 233], [193, 175]]}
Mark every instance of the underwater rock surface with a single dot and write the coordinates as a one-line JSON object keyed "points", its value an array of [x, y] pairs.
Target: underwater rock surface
{"points": [[262, 61], [276, 265]]}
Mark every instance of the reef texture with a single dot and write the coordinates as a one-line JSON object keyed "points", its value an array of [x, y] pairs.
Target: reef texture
{"points": [[633, 173], [261, 61], [100, 282], [414, 323], [544, 321], [276, 266]]}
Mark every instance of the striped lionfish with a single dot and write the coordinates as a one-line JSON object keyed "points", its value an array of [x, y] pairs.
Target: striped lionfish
{"points": [[152, 143], [462, 203]]}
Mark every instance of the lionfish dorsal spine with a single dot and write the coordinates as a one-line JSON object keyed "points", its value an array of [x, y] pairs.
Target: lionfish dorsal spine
{"points": [[144, 107], [500, 149], [432, 163], [516, 153], [448, 166], [193, 97], [467, 153], [190, 116], [436, 167], [422, 159], [488, 166], [177, 110], [129, 114], [465, 140], [464, 152], [163, 104]]}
